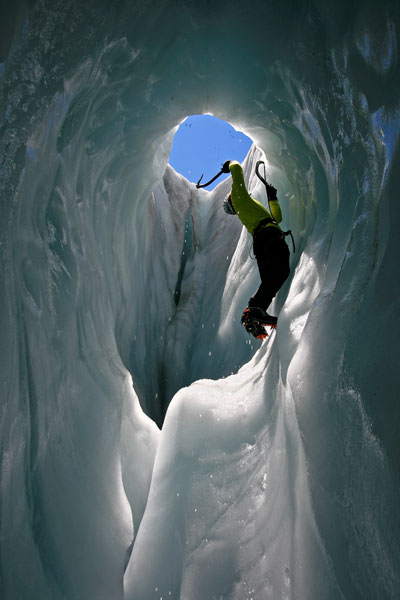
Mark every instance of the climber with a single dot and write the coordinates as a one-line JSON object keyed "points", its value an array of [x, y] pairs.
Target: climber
{"points": [[269, 246]]}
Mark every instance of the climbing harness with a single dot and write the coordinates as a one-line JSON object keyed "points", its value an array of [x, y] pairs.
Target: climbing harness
{"points": [[289, 232], [271, 191]]}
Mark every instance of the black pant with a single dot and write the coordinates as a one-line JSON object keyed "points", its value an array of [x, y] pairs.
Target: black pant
{"points": [[272, 254]]}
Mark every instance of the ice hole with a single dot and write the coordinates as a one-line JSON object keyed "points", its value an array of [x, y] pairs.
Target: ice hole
{"points": [[191, 256], [199, 270], [202, 144]]}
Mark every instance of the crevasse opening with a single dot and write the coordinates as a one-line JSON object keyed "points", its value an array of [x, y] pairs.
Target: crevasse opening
{"points": [[201, 145], [280, 479], [195, 247]]}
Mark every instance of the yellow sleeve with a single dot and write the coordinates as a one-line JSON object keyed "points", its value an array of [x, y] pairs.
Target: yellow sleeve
{"points": [[275, 210]]}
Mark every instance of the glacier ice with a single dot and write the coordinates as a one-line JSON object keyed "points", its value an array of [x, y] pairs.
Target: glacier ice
{"points": [[276, 471]]}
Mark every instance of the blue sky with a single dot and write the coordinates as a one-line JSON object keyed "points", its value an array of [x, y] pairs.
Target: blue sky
{"points": [[202, 144]]}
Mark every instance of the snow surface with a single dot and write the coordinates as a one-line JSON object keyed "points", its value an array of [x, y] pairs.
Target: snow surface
{"points": [[276, 471]]}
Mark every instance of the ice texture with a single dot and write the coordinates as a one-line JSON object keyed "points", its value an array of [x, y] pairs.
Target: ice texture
{"points": [[149, 448]]}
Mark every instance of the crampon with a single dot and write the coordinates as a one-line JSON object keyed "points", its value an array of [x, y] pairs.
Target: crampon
{"points": [[255, 326]]}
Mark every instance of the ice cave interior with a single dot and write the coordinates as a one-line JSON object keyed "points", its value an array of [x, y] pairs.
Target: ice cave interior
{"points": [[149, 448]]}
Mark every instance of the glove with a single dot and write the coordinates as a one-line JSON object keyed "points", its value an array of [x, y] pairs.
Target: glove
{"points": [[225, 166], [271, 192]]}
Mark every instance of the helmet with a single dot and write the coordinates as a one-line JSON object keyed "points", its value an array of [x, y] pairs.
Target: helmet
{"points": [[228, 206]]}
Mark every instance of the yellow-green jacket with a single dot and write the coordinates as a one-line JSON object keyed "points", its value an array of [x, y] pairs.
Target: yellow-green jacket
{"points": [[250, 211]]}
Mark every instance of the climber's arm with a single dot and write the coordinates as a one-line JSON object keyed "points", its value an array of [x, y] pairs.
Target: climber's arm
{"points": [[275, 210], [274, 203]]}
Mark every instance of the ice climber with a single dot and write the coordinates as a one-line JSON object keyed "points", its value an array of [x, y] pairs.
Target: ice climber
{"points": [[269, 246]]}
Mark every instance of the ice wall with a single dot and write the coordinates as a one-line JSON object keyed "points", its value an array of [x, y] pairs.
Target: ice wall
{"points": [[281, 479]]}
